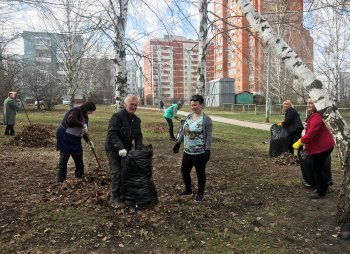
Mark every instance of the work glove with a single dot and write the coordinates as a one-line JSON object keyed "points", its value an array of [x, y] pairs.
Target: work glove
{"points": [[176, 147], [207, 155], [297, 144], [280, 124], [123, 153], [91, 144], [85, 129]]}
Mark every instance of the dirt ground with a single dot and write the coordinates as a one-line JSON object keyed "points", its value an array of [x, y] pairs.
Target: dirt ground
{"points": [[253, 204]]}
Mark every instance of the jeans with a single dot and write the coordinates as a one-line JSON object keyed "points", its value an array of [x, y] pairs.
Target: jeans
{"points": [[318, 161], [199, 162], [62, 169], [116, 171], [171, 127]]}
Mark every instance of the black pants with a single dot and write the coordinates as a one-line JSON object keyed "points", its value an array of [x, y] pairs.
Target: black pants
{"points": [[62, 170], [294, 137], [199, 162], [318, 161], [10, 130], [171, 127], [116, 175]]}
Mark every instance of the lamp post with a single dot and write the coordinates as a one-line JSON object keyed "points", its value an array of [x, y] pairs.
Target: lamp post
{"points": [[268, 103]]}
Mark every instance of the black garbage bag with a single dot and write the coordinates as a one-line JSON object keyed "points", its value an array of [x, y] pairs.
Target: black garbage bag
{"points": [[279, 140], [138, 189], [307, 175]]}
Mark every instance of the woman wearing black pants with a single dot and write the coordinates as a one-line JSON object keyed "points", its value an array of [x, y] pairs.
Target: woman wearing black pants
{"points": [[319, 144], [197, 135]]}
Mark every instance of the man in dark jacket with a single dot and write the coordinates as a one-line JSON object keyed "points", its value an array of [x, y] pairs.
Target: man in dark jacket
{"points": [[292, 123], [124, 128]]}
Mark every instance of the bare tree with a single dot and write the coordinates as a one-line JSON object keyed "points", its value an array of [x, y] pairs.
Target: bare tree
{"points": [[332, 41], [74, 34]]}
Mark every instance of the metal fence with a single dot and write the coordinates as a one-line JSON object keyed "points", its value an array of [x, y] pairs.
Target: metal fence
{"points": [[275, 109]]}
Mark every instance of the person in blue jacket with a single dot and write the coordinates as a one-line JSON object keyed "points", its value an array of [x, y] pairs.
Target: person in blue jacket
{"points": [[74, 126], [169, 113]]}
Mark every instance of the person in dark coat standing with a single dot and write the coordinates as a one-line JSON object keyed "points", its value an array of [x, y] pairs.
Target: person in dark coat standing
{"points": [[124, 128], [10, 110], [74, 126], [292, 123], [319, 144], [161, 105]]}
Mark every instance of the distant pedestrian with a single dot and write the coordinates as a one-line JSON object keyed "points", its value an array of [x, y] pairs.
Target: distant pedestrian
{"points": [[9, 114], [319, 144], [169, 113], [292, 123], [161, 105], [197, 136], [74, 126]]}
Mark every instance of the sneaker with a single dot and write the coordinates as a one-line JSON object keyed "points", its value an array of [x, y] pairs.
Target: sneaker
{"points": [[116, 203], [316, 195], [185, 193], [199, 198]]}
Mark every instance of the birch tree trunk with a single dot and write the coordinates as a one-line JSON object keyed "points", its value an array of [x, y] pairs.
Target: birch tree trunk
{"points": [[120, 75], [321, 98], [202, 46]]}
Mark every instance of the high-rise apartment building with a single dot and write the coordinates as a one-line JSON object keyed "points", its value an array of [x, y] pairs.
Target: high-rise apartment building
{"points": [[170, 69], [131, 70], [240, 54]]}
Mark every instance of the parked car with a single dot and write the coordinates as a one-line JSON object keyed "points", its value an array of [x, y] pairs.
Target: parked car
{"points": [[66, 102], [41, 102]]}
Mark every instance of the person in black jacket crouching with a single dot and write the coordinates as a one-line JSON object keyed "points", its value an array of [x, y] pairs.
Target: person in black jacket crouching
{"points": [[124, 128], [292, 123]]}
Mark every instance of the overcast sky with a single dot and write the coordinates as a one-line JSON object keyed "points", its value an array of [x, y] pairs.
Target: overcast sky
{"points": [[142, 21]]}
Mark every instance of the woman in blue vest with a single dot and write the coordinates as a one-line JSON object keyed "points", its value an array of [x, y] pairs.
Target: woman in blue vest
{"points": [[74, 126]]}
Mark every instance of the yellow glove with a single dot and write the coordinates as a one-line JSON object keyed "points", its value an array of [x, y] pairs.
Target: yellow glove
{"points": [[280, 124], [297, 144]]}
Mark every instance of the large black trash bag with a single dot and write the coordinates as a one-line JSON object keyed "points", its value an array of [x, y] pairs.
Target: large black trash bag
{"points": [[138, 189], [279, 140], [307, 175]]}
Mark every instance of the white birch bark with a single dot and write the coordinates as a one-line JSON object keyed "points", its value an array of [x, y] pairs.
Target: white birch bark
{"points": [[202, 46], [120, 75], [318, 94]]}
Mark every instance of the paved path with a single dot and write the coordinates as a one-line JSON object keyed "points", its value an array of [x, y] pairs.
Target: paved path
{"points": [[259, 126]]}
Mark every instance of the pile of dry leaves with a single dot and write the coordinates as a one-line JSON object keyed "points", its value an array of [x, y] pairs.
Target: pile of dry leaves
{"points": [[36, 135], [286, 159]]}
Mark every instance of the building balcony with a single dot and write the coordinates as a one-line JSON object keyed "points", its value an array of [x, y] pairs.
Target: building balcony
{"points": [[41, 47], [39, 59]]}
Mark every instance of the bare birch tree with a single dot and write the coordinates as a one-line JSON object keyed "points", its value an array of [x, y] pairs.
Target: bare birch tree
{"points": [[319, 95], [202, 46]]}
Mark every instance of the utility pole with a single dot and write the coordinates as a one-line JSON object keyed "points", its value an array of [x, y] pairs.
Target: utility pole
{"points": [[268, 103]]}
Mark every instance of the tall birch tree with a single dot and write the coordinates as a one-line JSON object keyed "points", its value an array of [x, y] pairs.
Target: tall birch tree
{"points": [[117, 13], [202, 46], [321, 98]]}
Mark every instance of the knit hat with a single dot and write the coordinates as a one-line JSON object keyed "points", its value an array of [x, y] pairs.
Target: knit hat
{"points": [[88, 106]]}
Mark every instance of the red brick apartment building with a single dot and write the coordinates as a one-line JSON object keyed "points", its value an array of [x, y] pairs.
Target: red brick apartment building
{"points": [[240, 54], [170, 69]]}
